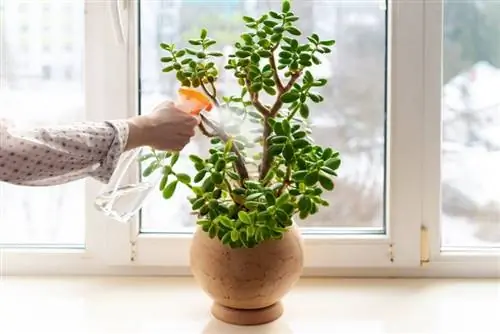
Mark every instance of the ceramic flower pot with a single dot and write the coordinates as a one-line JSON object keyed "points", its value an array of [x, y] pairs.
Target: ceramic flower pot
{"points": [[247, 284]]}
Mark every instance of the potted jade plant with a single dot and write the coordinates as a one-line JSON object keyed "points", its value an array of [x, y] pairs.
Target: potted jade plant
{"points": [[247, 252]]}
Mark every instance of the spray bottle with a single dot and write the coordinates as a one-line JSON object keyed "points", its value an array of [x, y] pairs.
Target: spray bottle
{"points": [[122, 198]]}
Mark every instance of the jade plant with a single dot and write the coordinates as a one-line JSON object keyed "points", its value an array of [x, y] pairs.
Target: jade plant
{"points": [[270, 60]]}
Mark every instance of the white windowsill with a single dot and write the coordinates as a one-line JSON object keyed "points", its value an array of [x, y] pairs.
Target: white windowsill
{"points": [[176, 305]]}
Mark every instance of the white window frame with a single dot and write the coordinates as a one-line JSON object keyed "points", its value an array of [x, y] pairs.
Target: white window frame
{"points": [[413, 194]]}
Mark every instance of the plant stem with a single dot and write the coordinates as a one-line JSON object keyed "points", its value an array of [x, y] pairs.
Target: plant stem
{"points": [[266, 157]]}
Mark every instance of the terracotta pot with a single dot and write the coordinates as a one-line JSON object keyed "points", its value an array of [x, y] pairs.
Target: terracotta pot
{"points": [[247, 284]]}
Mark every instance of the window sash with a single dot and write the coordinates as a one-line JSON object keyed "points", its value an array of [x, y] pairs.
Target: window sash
{"points": [[432, 135]]}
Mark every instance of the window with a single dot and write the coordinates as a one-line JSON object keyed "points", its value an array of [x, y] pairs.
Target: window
{"points": [[420, 149], [31, 96]]}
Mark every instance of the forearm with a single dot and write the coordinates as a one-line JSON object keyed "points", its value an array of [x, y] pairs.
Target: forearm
{"points": [[56, 155]]}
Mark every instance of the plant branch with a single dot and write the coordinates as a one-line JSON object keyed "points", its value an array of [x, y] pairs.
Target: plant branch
{"points": [[278, 104], [279, 84], [254, 97]]}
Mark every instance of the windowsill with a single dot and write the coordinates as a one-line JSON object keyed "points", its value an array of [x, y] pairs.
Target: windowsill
{"points": [[177, 305]]}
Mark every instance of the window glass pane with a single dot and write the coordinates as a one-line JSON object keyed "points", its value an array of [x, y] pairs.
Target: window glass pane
{"points": [[351, 119], [471, 124], [41, 45]]}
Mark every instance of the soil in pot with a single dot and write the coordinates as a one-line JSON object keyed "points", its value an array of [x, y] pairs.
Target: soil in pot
{"points": [[247, 284]]}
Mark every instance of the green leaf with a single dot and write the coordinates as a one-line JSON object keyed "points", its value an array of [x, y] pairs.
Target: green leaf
{"points": [[196, 159], [166, 46], [325, 181], [183, 178], [288, 208], [270, 90], [225, 221], [208, 185], [299, 176], [174, 159], [168, 69], [290, 97], [276, 37], [255, 58], [270, 24], [235, 236], [304, 204], [282, 215], [294, 31], [276, 149], [328, 171], [278, 129], [250, 230], [288, 152], [299, 134], [217, 178], [333, 163], [304, 110], [311, 178], [194, 42], [264, 53], [233, 175], [166, 59], [180, 53], [256, 87], [220, 165], [248, 19], [226, 239], [284, 198], [244, 217], [327, 153], [215, 54], [169, 190], [300, 143], [203, 33], [285, 7], [198, 204], [316, 60], [315, 98], [254, 196], [150, 169], [242, 54], [278, 140], [200, 176], [212, 231], [285, 54], [163, 182], [328, 43]]}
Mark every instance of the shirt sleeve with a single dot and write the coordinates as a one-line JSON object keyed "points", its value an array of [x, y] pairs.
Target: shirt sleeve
{"points": [[55, 155]]}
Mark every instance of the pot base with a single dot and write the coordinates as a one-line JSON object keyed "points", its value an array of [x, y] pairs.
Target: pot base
{"points": [[243, 317]]}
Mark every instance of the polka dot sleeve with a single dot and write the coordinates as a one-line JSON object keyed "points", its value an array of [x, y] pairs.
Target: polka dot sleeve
{"points": [[60, 154]]}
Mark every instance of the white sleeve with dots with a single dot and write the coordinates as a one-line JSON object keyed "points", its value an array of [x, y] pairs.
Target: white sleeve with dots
{"points": [[60, 154]]}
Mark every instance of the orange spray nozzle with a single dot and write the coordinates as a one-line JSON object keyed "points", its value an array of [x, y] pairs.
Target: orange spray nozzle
{"points": [[193, 101]]}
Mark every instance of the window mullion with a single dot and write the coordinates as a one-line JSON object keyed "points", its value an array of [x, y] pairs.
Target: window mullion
{"points": [[405, 129], [106, 98]]}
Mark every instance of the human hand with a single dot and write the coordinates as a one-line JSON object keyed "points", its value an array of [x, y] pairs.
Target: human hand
{"points": [[166, 128]]}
